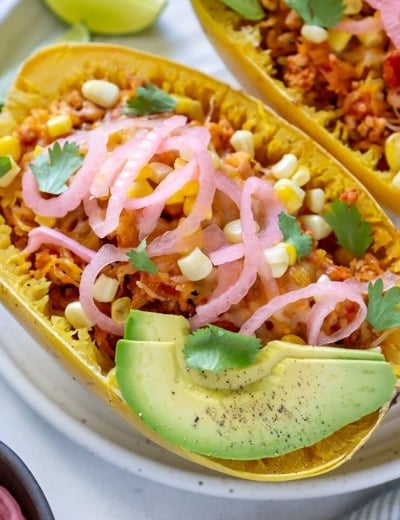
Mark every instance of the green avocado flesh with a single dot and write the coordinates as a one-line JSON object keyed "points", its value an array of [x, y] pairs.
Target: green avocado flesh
{"points": [[292, 397]]}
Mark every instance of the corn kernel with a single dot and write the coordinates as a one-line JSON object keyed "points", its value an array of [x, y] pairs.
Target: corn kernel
{"points": [[8, 176], [189, 190], [285, 167], [301, 176], [314, 33], [338, 40], [216, 160], [45, 221], [37, 150], [277, 259], [293, 338], [159, 171], [76, 316], [392, 151], [233, 231], [145, 173], [59, 125], [291, 195], [180, 162], [103, 93], [291, 252], [188, 204], [189, 107], [105, 288], [396, 181], [317, 225], [120, 309], [140, 189], [196, 265], [243, 141], [10, 145], [372, 39], [315, 199]]}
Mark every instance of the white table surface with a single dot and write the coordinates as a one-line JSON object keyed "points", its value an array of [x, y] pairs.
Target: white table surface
{"points": [[80, 485]]}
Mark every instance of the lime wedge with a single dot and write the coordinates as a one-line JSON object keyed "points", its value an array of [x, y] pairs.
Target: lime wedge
{"points": [[249, 9], [108, 16]]}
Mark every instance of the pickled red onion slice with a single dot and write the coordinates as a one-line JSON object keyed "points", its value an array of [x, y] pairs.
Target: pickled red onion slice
{"points": [[139, 157], [60, 205], [217, 305], [106, 255], [169, 242], [390, 13], [45, 235], [367, 25], [327, 294], [9, 508]]}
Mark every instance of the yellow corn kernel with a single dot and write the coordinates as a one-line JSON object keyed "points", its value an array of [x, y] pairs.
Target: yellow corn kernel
{"points": [[105, 288], [7, 178], [189, 190], [120, 309], [338, 40], [314, 33], [188, 204], [285, 167], [317, 225], [45, 221], [10, 145], [76, 316], [158, 171], [196, 265], [145, 173], [291, 252], [290, 194], [59, 125], [372, 39], [392, 151], [243, 141], [101, 92], [301, 176], [352, 6], [277, 259], [293, 338], [189, 107], [315, 200], [140, 189], [233, 231]]}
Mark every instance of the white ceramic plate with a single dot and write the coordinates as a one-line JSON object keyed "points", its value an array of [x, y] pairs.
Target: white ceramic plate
{"points": [[68, 406]]}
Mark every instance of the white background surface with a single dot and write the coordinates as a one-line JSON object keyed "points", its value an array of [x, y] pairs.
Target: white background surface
{"points": [[78, 484]]}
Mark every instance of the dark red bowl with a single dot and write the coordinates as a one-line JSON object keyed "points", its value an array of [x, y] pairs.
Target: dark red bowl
{"points": [[16, 477]]}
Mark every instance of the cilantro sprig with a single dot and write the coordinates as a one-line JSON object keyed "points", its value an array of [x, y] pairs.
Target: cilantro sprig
{"points": [[352, 232], [383, 307], [5, 165], [215, 349], [314, 12], [54, 169], [140, 259], [149, 99], [292, 234]]}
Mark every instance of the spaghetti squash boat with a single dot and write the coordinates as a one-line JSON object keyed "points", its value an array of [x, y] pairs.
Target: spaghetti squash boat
{"points": [[331, 70], [197, 262]]}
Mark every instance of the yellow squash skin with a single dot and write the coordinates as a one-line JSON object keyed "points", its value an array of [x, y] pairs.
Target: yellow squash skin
{"points": [[253, 68], [57, 69]]}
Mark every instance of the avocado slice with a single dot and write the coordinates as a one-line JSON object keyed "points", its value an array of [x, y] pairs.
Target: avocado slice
{"points": [[296, 395]]}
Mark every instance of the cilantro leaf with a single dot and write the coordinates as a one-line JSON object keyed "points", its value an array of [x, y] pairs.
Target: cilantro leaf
{"points": [[140, 260], [213, 348], [52, 170], [383, 308], [149, 99], [5, 165], [351, 231], [292, 234], [314, 12], [249, 9]]}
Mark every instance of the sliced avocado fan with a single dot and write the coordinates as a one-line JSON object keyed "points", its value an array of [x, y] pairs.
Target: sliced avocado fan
{"points": [[291, 397]]}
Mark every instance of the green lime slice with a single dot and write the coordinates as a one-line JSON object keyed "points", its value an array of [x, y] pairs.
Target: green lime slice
{"points": [[78, 32], [108, 17]]}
